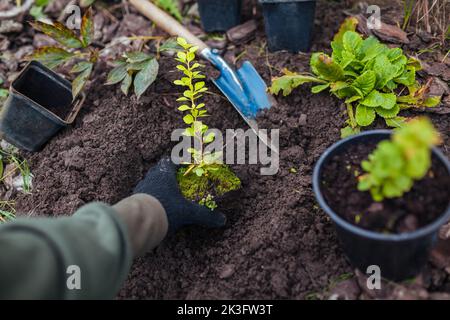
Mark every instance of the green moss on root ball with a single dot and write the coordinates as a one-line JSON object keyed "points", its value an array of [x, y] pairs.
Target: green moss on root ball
{"points": [[203, 189]]}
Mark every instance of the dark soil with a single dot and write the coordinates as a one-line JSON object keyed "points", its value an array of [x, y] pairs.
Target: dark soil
{"points": [[427, 200], [277, 242]]}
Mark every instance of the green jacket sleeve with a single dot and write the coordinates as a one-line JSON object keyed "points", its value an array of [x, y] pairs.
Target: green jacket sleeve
{"points": [[85, 256]]}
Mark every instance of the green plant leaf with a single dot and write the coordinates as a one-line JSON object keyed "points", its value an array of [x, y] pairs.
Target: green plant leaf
{"points": [[209, 137], [117, 74], [352, 41], [80, 81], [51, 56], [371, 48], [384, 70], [146, 77], [415, 63], [126, 84], [171, 6], [86, 3], [328, 69], [136, 56], [388, 113], [170, 44], [431, 101], [349, 24], [349, 131], [378, 99], [37, 12], [396, 122], [319, 88], [87, 28], [365, 82], [81, 66], [364, 115], [290, 81], [188, 119], [408, 77], [184, 107], [3, 93], [60, 33]]}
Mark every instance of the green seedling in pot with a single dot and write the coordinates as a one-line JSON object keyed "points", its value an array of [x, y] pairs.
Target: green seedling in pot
{"points": [[370, 77], [73, 47], [204, 178], [134, 68], [395, 164]]}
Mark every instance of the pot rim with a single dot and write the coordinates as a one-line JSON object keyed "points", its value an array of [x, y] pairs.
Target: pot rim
{"points": [[75, 105], [423, 231]]}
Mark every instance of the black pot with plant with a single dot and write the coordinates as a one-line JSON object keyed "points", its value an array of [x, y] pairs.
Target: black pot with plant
{"points": [[388, 193], [289, 24], [38, 106], [219, 15]]}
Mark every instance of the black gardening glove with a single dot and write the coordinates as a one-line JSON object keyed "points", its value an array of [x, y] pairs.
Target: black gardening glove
{"points": [[161, 183]]}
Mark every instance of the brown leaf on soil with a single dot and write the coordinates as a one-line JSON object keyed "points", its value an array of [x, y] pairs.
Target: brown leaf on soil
{"points": [[444, 232], [438, 87], [440, 256], [391, 33], [387, 32], [243, 32]]}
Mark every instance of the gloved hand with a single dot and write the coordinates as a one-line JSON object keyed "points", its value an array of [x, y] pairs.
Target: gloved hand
{"points": [[161, 183]]}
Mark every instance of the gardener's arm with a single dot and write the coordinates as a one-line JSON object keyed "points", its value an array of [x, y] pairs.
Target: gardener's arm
{"points": [[99, 240], [41, 257]]}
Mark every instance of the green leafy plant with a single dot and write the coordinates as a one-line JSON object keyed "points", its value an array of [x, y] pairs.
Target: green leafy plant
{"points": [[171, 6], [395, 164], [7, 211], [10, 156], [37, 10], [73, 47], [3, 92], [134, 68], [370, 77], [204, 178]]}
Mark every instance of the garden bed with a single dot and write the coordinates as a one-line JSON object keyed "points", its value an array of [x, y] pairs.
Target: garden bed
{"points": [[277, 242]]}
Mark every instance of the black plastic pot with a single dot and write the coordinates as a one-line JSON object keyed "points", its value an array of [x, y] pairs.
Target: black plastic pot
{"points": [[38, 106], [289, 24], [219, 15], [399, 256]]}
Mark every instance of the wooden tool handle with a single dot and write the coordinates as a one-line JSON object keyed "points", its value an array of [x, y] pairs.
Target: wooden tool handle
{"points": [[166, 22]]}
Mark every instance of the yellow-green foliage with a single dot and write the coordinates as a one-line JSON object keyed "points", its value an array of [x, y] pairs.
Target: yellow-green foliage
{"points": [[395, 164], [205, 177]]}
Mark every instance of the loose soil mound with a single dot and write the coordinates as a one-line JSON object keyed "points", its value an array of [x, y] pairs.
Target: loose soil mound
{"points": [[277, 242]]}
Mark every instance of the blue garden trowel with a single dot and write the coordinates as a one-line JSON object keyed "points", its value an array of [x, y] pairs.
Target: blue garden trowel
{"points": [[243, 87]]}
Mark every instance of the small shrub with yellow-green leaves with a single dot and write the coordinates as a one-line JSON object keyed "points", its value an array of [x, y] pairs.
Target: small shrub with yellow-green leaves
{"points": [[205, 177], [395, 164]]}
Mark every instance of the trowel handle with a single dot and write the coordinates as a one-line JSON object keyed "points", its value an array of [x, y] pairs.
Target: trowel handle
{"points": [[166, 22]]}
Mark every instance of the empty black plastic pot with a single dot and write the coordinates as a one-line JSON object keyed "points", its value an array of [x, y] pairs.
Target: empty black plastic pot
{"points": [[219, 15], [289, 24], [38, 106], [399, 256]]}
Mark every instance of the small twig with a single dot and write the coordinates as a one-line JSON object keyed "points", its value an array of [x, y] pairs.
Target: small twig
{"points": [[14, 12]]}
